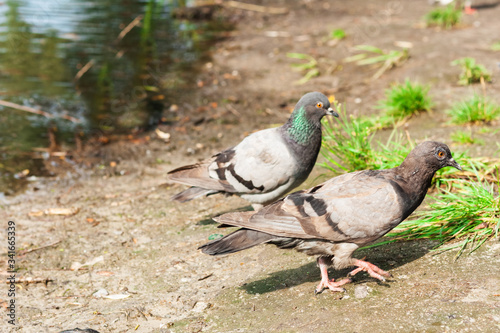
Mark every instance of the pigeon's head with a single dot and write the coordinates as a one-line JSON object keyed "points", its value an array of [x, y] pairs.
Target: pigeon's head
{"points": [[436, 155], [315, 105]]}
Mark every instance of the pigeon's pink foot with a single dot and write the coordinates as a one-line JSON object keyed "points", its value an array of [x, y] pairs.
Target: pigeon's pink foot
{"points": [[325, 281], [469, 10], [330, 284], [371, 269]]}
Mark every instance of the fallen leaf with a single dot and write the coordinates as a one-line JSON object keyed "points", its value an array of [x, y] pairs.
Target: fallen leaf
{"points": [[92, 221], [22, 174], [56, 211], [116, 296], [163, 135], [105, 273], [103, 139], [62, 211], [36, 214], [158, 97]]}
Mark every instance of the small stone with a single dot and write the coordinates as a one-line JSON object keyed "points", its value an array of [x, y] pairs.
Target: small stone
{"points": [[361, 291], [100, 293]]}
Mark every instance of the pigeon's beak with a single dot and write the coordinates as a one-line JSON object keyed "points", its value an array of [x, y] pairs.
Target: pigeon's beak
{"points": [[453, 163], [332, 112]]}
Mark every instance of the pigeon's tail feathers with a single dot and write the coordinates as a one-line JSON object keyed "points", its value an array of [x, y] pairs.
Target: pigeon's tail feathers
{"points": [[270, 219], [235, 219], [187, 169], [191, 193], [239, 240], [198, 175], [187, 173]]}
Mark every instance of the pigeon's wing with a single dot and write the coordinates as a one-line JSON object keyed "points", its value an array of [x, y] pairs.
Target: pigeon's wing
{"points": [[260, 163], [357, 207]]}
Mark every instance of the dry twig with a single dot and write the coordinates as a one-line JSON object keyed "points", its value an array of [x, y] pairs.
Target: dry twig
{"points": [[23, 252], [36, 111]]}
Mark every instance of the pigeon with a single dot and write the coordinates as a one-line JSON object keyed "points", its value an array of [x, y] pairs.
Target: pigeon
{"points": [[333, 219], [266, 164]]}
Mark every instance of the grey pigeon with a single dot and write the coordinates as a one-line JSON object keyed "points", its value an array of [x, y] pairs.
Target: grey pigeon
{"points": [[266, 164], [335, 218]]}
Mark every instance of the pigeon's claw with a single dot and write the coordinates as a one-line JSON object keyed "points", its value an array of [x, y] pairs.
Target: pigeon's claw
{"points": [[371, 269], [331, 284], [325, 281]]}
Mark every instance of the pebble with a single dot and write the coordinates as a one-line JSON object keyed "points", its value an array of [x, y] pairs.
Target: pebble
{"points": [[100, 293], [361, 291]]}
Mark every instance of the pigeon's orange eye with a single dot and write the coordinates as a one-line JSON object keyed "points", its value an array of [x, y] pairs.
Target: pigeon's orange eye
{"points": [[441, 154], [319, 105]]}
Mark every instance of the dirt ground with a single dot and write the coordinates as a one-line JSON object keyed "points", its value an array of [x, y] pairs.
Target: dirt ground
{"points": [[127, 261]]}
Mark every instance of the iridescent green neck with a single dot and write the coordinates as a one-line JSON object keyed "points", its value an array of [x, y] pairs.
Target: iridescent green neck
{"points": [[300, 128]]}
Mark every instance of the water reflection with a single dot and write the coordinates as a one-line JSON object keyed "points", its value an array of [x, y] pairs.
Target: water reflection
{"points": [[113, 65]]}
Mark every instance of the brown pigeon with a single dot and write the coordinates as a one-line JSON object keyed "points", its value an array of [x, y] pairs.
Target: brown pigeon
{"points": [[266, 164], [335, 218]]}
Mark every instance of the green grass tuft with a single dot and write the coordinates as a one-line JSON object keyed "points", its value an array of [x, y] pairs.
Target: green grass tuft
{"points": [[373, 55], [310, 66], [471, 72], [338, 34], [465, 138], [406, 99], [348, 140], [347, 145], [474, 110], [446, 17], [496, 46]]}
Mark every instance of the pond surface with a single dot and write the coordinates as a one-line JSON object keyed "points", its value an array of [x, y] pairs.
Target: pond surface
{"points": [[94, 67]]}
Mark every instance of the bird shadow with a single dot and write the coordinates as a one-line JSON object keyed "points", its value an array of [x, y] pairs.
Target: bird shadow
{"points": [[387, 257], [485, 5]]}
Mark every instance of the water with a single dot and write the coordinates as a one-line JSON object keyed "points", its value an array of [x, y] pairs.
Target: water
{"points": [[113, 66]]}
